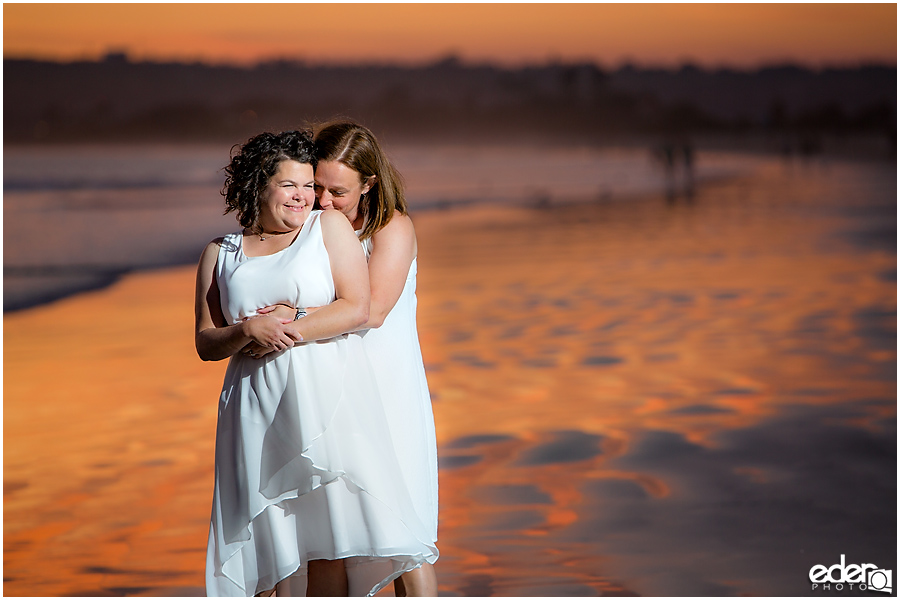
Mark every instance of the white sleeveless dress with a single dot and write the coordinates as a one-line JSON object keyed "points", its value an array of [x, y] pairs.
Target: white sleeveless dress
{"points": [[305, 466], [396, 357]]}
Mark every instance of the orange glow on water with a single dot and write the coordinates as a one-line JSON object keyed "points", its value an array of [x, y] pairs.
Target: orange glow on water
{"points": [[658, 34]]}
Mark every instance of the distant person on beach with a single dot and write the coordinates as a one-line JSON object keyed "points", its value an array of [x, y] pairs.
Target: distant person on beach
{"points": [[354, 177], [309, 496], [677, 160]]}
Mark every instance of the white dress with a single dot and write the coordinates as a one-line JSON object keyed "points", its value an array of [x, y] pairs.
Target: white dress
{"points": [[396, 357], [305, 466]]}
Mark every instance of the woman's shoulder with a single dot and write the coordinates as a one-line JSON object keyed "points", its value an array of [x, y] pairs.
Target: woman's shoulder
{"points": [[331, 220], [215, 244], [334, 226], [398, 235], [228, 242], [210, 253], [399, 227], [327, 216]]}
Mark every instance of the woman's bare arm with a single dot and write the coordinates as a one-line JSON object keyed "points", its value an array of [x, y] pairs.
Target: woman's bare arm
{"points": [[350, 309], [393, 250]]}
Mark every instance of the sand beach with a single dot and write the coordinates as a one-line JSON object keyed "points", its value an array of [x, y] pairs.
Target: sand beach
{"points": [[683, 395]]}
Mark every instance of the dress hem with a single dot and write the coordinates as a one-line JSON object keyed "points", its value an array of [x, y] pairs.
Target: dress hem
{"points": [[434, 552]]}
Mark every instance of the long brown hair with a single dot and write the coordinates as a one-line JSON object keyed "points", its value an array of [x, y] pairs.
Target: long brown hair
{"points": [[355, 146]]}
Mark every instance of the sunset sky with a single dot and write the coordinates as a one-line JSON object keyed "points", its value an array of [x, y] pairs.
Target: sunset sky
{"points": [[736, 35]]}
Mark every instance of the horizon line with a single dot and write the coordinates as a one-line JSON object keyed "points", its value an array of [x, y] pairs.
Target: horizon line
{"points": [[117, 56]]}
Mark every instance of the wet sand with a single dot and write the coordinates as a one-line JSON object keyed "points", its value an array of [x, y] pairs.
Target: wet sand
{"points": [[685, 397]]}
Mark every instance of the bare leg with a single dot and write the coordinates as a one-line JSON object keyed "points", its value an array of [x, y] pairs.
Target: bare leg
{"points": [[418, 582], [326, 578], [292, 586]]}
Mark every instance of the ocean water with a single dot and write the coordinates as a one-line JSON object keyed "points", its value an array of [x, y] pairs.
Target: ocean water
{"points": [[77, 217]]}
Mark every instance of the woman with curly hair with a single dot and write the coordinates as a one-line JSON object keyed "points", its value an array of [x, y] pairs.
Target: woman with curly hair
{"points": [[307, 495]]}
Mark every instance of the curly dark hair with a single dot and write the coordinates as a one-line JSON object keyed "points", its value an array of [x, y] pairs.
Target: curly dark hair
{"points": [[254, 163]]}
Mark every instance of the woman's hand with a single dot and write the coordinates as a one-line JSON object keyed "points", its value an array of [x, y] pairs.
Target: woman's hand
{"points": [[285, 315], [269, 333], [254, 350], [284, 312]]}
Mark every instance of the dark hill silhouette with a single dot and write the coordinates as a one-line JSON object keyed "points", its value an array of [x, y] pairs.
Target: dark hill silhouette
{"points": [[119, 100]]}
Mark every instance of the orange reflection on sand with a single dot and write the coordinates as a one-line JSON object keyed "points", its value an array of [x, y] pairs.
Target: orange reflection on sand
{"points": [[614, 320], [107, 445]]}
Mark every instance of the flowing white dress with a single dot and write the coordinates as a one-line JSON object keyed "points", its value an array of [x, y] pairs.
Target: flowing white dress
{"points": [[396, 357], [305, 466]]}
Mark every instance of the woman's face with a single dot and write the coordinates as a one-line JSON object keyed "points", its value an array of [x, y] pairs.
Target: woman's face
{"points": [[288, 198], [339, 187]]}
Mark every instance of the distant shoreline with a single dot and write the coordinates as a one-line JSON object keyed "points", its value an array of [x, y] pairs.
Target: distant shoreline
{"points": [[120, 100], [863, 146]]}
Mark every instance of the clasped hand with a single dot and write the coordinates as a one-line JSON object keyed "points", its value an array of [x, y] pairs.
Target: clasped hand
{"points": [[268, 334]]}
